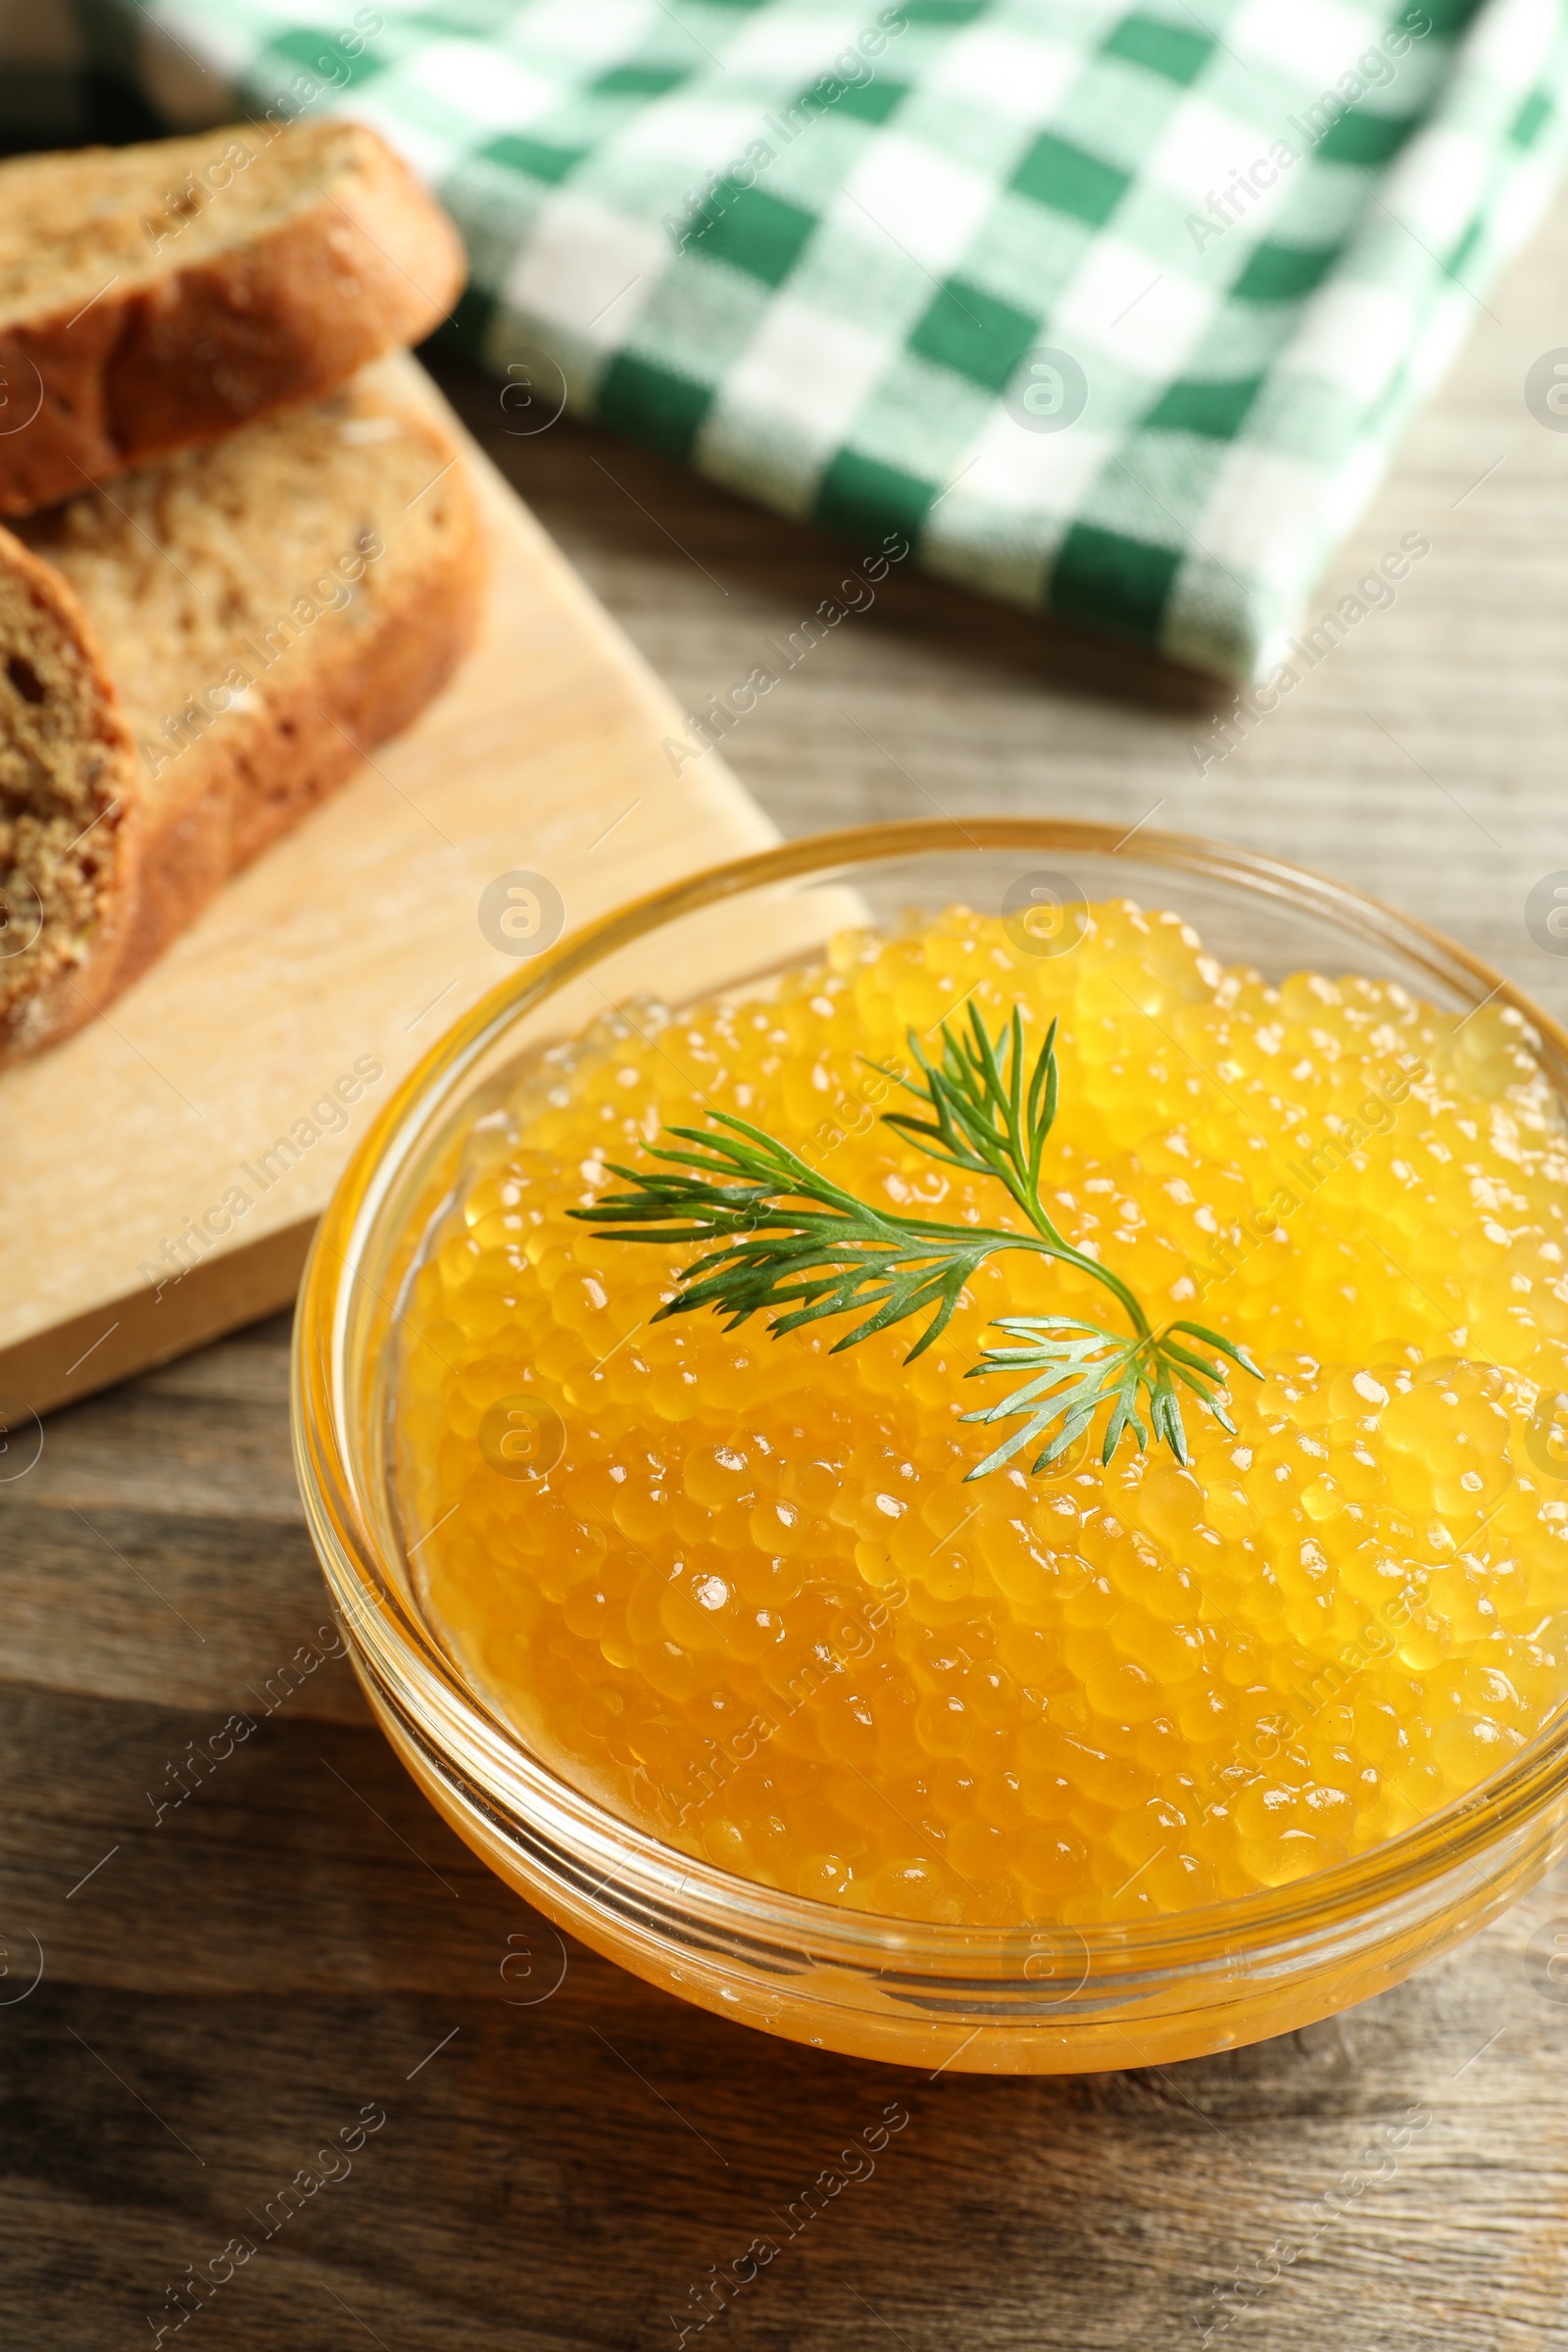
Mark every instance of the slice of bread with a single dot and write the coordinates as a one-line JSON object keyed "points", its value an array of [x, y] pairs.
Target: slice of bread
{"points": [[158, 296], [268, 608], [67, 802]]}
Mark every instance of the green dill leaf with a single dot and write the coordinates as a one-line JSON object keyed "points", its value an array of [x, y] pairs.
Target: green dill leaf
{"points": [[784, 1241]]}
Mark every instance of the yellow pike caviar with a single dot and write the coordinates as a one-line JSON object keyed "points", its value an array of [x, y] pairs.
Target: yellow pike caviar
{"points": [[738, 1588]]}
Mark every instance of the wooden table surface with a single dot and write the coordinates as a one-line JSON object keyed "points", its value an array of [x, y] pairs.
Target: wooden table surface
{"points": [[199, 2000]]}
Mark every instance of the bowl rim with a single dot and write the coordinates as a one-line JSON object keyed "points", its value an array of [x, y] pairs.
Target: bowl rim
{"points": [[399, 1652]]}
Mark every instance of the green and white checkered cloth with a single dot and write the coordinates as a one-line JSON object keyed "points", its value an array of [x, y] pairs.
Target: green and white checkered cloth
{"points": [[1114, 313]]}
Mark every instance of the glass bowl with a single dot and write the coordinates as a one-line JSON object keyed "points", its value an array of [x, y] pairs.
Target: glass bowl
{"points": [[1038, 1998]]}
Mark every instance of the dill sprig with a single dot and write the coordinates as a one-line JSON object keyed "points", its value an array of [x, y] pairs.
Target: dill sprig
{"points": [[792, 1244]]}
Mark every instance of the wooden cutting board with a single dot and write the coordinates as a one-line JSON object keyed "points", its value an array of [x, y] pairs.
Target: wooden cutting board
{"points": [[347, 949]]}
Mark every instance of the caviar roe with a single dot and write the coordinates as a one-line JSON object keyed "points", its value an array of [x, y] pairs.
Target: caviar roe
{"points": [[737, 1587]]}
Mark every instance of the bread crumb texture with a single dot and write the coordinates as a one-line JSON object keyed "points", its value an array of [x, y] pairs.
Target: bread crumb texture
{"points": [[155, 298], [229, 585], [64, 766], [94, 221], [206, 651]]}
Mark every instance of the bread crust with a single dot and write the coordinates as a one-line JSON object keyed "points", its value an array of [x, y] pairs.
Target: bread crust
{"points": [[285, 318], [56, 1010]]}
